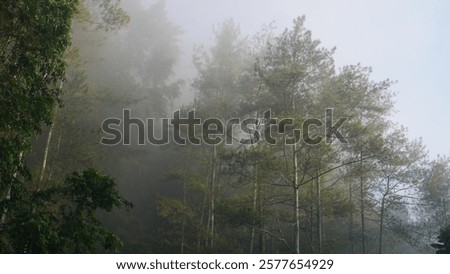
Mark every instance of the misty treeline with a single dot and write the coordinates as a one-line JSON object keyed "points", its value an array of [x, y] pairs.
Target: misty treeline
{"points": [[68, 65]]}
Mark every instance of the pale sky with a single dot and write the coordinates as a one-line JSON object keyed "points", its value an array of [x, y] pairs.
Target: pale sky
{"points": [[403, 40]]}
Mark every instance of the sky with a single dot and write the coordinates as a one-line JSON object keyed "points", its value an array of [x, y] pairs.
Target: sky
{"points": [[407, 41]]}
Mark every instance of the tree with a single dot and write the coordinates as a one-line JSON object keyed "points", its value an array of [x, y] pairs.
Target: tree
{"points": [[135, 67], [443, 245], [293, 68], [288, 197], [367, 105], [62, 219], [218, 87], [93, 18], [431, 207], [399, 166], [32, 73], [436, 191]]}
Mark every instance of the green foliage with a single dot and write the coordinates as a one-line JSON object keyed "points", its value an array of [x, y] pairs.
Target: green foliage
{"points": [[32, 69], [91, 191], [240, 198], [32, 65], [102, 14], [294, 77], [34, 38], [293, 67], [178, 227], [219, 83], [236, 215], [62, 219]]}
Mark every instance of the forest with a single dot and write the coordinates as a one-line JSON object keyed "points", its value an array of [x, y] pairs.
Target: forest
{"points": [[67, 66]]}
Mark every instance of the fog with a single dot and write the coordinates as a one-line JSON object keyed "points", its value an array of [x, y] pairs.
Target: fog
{"points": [[405, 41], [335, 112]]}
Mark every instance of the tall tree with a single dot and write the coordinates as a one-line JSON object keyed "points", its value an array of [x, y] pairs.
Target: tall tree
{"points": [[292, 69], [399, 166], [31, 79], [31, 72], [218, 86]]}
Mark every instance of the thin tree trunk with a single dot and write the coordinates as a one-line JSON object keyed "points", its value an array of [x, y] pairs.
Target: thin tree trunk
{"points": [[58, 146], [319, 217], [255, 202], [8, 196], [46, 150], [296, 202], [262, 235], [5, 209], [262, 238], [363, 228], [311, 216], [380, 239], [183, 223], [382, 212], [202, 216], [213, 196], [296, 186], [350, 223], [47, 146]]}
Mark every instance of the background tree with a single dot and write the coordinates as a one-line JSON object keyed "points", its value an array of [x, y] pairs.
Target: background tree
{"points": [[443, 246]]}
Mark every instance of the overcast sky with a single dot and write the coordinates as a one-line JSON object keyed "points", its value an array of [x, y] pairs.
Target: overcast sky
{"points": [[403, 40]]}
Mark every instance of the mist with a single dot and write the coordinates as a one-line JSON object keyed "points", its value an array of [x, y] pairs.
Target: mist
{"points": [[315, 105]]}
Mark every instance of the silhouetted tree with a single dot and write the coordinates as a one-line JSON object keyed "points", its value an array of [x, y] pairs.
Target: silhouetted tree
{"points": [[443, 245]]}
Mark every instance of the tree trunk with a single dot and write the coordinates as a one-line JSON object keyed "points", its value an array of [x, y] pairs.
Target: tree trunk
{"points": [[58, 146], [380, 239], [382, 212], [183, 223], [363, 227], [8, 196], [47, 145], [202, 214], [255, 207], [350, 223], [319, 217], [262, 235], [46, 150], [255, 203], [213, 195], [311, 217], [296, 202]]}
